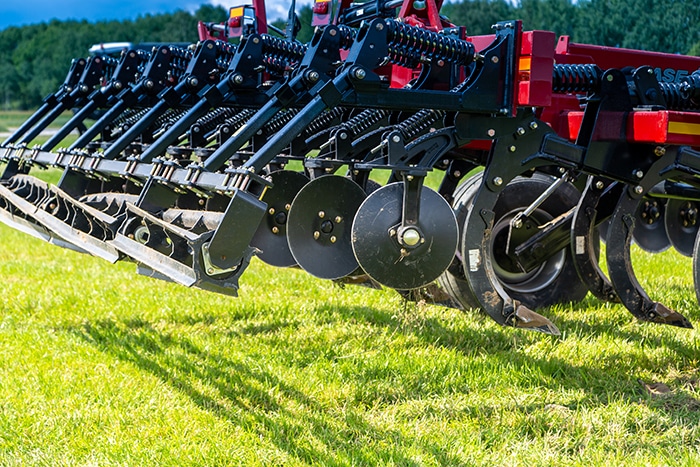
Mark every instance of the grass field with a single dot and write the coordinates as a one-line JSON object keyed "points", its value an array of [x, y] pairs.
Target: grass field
{"points": [[99, 366]]}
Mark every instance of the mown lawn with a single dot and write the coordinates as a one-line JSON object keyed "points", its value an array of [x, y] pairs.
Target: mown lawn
{"points": [[99, 366]]}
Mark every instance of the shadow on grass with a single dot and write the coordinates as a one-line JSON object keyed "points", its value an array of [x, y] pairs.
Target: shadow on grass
{"points": [[245, 394]]}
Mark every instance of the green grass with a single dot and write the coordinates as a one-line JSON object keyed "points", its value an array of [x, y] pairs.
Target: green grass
{"points": [[100, 366], [103, 367]]}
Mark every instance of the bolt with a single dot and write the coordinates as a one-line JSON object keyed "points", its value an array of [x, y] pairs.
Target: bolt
{"points": [[332, 32], [520, 131], [210, 46], [411, 237], [321, 214], [201, 202], [533, 125], [491, 132], [562, 170], [271, 211], [396, 138], [494, 59], [392, 233], [316, 235], [498, 181], [333, 239], [609, 78], [512, 149], [312, 76], [275, 230], [650, 71], [256, 40], [117, 85], [599, 185], [638, 189], [360, 73], [238, 78], [457, 173], [380, 26], [659, 151], [193, 82], [638, 173], [210, 271], [343, 135], [338, 219], [287, 206], [518, 223], [409, 178]]}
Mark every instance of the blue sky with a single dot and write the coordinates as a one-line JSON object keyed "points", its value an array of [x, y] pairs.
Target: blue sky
{"points": [[22, 12]]}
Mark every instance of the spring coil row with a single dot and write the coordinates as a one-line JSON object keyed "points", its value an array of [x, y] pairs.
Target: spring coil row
{"points": [[405, 39], [419, 122], [321, 122], [576, 78], [278, 65], [363, 121]]}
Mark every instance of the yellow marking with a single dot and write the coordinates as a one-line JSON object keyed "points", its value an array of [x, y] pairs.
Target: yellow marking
{"points": [[684, 128], [235, 12], [525, 63]]}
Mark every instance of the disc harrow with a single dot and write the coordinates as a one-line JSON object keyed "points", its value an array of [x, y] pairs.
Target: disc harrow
{"points": [[316, 156]]}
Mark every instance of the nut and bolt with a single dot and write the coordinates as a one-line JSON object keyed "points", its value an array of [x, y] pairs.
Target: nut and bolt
{"points": [[533, 125], [317, 234], [638, 173], [321, 214], [360, 73], [609, 78], [333, 239], [520, 131], [659, 151], [498, 181], [287, 206], [512, 149], [338, 219], [275, 230], [638, 189], [599, 185], [238, 78], [396, 138], [271, 211], [494, 59], [491, 132], [411, 237], [312, 76]]}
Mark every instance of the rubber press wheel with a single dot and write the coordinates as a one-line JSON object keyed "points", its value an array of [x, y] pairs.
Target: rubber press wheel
{"points": [[555, 280]]}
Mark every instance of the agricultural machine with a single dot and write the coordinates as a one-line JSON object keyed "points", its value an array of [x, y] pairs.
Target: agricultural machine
{"points": [[316, 156]]}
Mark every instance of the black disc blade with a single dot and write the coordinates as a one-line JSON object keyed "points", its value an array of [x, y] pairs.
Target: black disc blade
{"points": [[320, 222], [271, 236], [681, 220], [649, 228], [378, 250]]}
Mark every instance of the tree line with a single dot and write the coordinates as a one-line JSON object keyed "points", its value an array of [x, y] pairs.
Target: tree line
{"points": [[34, 59]]}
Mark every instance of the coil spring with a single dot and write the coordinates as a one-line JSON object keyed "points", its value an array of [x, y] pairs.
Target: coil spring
{"points": [[213, 118], [413, 41], [322, 122], [109, 66], [126, 116], [677, 96], [691, 86], [280, 120], [576, 78], [282, 48], [363, 121], [419, 122], [126, 121], [224, 54], [179, 59]]}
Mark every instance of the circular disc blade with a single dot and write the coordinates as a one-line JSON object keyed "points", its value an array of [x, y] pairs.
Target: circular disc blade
{"points": [[271, 236], [319, 226], [649, 229], [682, 224], [378, 251]]}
